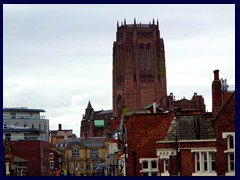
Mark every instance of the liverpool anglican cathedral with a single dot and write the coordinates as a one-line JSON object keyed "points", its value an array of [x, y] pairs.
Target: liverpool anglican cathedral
{"points": [[146, 133], [149, 132], [139, 78]]}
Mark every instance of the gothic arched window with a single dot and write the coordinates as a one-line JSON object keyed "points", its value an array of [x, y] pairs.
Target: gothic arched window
{"points": [[88, 166], [141, 57], [148, 57]]}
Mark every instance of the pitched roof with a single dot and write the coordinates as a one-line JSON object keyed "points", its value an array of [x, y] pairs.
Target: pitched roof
{"points": [[89, 106], [151, 105], [191, 128], [20, 160], [105, 112], [94, 142], [231, 98], [87, 142]]}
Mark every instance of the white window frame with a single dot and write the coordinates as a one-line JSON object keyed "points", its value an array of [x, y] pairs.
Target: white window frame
{"points": [[94, 153], [75, 167], [165, 167], [51, 164], [204, 158], [229, 151], [149, 169], [75, 151], [147, 163], [51, 155], [212, 161]]}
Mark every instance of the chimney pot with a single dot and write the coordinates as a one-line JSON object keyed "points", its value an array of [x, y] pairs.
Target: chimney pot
{"points": [[216, 74], [59, 127]]}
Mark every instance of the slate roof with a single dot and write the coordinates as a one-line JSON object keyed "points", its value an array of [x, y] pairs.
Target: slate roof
{"points": [[77, 141], [192, 128], [94, 142], [151, 105], [89, 142], [20, 160], [105, 112]]}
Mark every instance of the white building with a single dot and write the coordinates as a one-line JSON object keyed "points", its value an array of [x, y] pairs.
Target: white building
{"points": [[24, 117], [17, 133]]}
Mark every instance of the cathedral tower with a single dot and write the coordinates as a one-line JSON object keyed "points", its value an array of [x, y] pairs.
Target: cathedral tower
{"points": [[139, 73]]}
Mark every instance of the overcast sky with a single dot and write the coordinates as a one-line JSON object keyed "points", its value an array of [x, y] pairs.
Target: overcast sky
{"points": [[58, 57]]}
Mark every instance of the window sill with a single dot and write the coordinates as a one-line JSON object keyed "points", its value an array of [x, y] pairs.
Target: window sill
{"points": [[204, 174], [165, 174], [230, 174]]}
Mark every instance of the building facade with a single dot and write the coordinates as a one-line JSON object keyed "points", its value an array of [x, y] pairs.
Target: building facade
{"points": [[26, 131], [55, 162], [81, 156], [223, 99], [143, 130], [96, 123], [59, 135], [25, 117], [139, 73], [189, 147]]}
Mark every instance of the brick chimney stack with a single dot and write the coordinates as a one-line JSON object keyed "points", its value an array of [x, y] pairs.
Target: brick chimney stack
{"points": [[59, 127], [216, 94], [216, 74]]}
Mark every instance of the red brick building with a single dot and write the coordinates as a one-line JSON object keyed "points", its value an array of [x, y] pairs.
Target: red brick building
{"points": [[193, 143], [189, 147], [36, 152], [143, 132], [225, 135], [139, 73], [55, 162], [96, 123], [224, 124]]}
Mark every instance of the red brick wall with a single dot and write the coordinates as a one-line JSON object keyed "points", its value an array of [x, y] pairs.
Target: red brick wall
{"points": [[186, 157], [224, 122], [56, 157], [143, 132], [187, 165], [30, 150]]}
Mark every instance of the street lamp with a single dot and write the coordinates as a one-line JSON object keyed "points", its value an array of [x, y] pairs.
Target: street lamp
{"points": [[121, 164], [108, 165], [175, 124]]}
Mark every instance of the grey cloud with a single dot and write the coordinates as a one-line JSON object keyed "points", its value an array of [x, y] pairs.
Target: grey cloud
{"points": [[58, 57]]}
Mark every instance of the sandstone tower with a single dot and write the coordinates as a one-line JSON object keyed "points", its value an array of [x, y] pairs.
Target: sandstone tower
{"points": [[139, 72]]}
